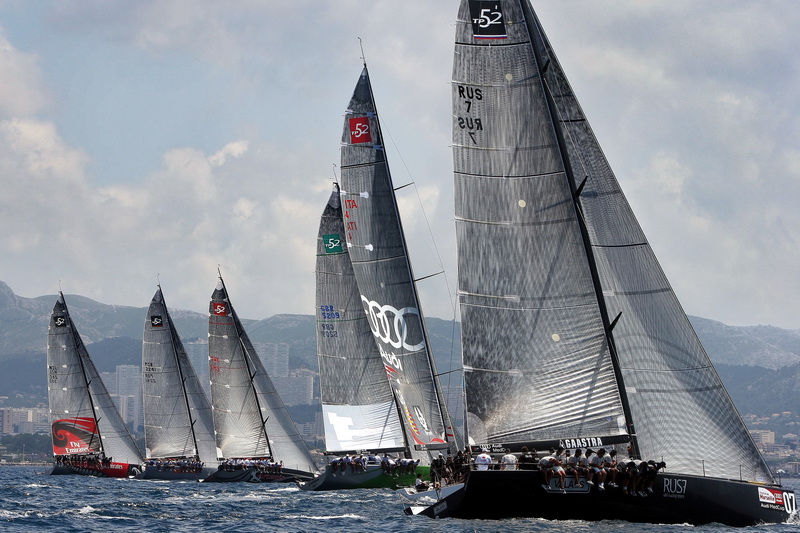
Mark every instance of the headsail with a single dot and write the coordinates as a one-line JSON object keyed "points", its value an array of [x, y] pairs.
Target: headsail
{"points": [[249, 416], [377, 247], [682, 412], [83, 416], [358, 408], [551, 256], [177, 414]]}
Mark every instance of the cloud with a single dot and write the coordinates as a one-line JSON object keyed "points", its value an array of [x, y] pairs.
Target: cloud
{"points": [[20, 85]]}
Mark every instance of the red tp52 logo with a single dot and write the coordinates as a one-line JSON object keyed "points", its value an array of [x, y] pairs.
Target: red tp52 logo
{"points": [[359, 130]]}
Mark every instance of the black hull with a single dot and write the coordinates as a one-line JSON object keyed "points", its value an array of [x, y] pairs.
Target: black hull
{"points": [[676, 499], [119, 470], [253, 475]]}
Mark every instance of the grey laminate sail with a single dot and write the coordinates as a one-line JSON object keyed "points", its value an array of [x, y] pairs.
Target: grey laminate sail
{"points": [[551, 255], [177, 414], [358, 408], [249, 417], [377, 247], [83, 416]]}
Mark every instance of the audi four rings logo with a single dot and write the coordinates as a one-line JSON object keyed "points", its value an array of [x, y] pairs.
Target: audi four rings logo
{"points": [[389, 324]]}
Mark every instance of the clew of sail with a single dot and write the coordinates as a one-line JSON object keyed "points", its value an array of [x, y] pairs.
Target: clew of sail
{"points": [[358, 408], [83, 416], [682, 412], [536, 356], [377, 249], [178, 421], [249, 415]]}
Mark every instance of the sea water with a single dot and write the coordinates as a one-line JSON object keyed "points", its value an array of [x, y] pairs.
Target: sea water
{"points": [[32, 500]]}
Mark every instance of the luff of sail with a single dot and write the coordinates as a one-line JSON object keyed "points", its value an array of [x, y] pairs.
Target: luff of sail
{"points": [[249, 416], [378, 253], [682, 412], [83, 416], [358, 408], [178, 421], [534, 346]]}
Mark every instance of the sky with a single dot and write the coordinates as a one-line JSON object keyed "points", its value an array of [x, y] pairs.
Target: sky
{"points": [[160, 140]]}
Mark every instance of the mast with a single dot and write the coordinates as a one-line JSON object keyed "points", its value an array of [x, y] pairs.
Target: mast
{"points": [[78, 343], [536, 33], [180, 373]]}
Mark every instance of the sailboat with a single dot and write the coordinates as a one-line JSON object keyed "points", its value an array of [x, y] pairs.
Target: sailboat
{"points": [[358, 407], [254, 431], [572, 335], [89, 436], [178, 422], [383, 288]]}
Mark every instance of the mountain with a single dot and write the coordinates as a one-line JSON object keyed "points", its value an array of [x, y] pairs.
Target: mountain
{"points": [[760, 365]]}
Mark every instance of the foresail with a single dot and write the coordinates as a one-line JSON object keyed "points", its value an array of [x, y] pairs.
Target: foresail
{"points": [[681, 410], [358, 408], [177, 414], [535, 353], [284, 438], [377, 250]]}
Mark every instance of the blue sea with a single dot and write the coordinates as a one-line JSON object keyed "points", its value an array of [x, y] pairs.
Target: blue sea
{"points": [[31, 500]]}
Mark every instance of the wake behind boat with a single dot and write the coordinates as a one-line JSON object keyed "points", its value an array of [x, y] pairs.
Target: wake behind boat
{"points": [[89, 436], [571, 333]]}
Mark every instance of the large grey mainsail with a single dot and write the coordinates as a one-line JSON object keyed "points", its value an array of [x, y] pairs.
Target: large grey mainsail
{"points": [[83, 416], [177, 414], [562, 299], [377, 247], [249, 416], [358, 407]]}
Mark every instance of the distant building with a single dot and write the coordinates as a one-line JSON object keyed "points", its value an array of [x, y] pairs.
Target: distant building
{"points": [[198, 356], [297, 389], [127, 394], [275, 357], [763, 436]]}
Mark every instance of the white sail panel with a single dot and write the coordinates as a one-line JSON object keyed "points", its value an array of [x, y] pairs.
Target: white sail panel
{"points": [[361, 427]]}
